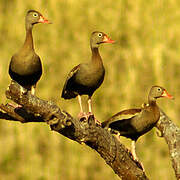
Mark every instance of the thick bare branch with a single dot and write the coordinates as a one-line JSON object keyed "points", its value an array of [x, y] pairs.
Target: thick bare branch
{"points": [[171, 134], [84, 131]]}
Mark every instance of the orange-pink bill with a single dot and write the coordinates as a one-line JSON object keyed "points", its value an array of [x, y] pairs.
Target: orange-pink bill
{"points": [[166, 94], [106, 39], [44, 20]]}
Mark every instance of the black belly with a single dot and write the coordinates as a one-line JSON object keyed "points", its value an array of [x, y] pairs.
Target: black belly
{"points": [[125, 129], [74, 88], [82, 85], [26, 80], [128, 130], [84, 90]]}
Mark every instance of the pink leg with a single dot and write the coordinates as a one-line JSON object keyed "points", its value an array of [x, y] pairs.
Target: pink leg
{"points": [[81, 114], [133, 151], [90, 105], [90, 110]]}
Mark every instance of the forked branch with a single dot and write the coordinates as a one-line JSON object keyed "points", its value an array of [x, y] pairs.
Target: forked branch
{"points": [[114, 153]]}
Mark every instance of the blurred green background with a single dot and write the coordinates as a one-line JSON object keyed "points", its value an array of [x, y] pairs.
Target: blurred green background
{"points": [[146, 53]]}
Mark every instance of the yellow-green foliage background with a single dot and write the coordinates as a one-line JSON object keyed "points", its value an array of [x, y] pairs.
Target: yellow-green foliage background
{"points": [[146, 52]]}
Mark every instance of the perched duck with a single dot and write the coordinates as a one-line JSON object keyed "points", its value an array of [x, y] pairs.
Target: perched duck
{"points": [[85, 78], [133, 123], [25, 66]]}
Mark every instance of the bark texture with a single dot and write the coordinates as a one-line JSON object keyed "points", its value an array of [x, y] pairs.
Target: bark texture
{"points": [[85, 131], [171, 134]]}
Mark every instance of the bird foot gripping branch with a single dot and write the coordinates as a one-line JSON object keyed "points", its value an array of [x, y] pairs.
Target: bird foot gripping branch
{"points": [[86, 116], [47, 111]]}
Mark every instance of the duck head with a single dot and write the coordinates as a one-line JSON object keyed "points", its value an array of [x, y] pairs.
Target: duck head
{"points": [[34, 17], [158, 92], [98, 38]]}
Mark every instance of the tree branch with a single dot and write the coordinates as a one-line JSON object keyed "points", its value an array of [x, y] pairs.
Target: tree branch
{"points": [[84, 131], [115, 154], [171, 134]]}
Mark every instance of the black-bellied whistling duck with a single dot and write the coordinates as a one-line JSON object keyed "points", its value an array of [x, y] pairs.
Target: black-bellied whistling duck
{"points": [[133, 123], [85, 78], [25, 66]]}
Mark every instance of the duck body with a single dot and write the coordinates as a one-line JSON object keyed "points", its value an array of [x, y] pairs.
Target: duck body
{"points": [[84, 79], [133, 123], [23, 70], [25, 66]]}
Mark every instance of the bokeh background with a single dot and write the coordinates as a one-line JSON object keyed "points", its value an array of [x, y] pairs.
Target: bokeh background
{"points": [[146, 53]]}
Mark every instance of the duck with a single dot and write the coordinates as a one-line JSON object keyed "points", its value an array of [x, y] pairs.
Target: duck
{"points": [[25, 66], [133, 123], [86, 78]]}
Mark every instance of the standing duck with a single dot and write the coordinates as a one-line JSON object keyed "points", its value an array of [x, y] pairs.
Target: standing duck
{"points": [[85, 78], [133, 123], [25, 66]]}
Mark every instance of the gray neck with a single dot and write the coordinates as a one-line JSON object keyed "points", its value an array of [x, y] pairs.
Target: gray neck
{"points": [[151, 100], [28, 44], [96, 58]]}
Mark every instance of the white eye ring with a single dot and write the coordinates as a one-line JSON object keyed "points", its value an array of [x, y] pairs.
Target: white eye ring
{"points": [[35, 14], [100, 34], [159, 89]]}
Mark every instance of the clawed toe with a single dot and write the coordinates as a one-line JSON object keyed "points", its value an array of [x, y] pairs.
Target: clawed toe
{"points": [[85, 116], [82, 115], [96, 121]]}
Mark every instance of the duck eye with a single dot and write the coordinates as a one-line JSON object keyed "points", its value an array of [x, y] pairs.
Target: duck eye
{"points": [[100, 34], [35, 14], [159, 89]]}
